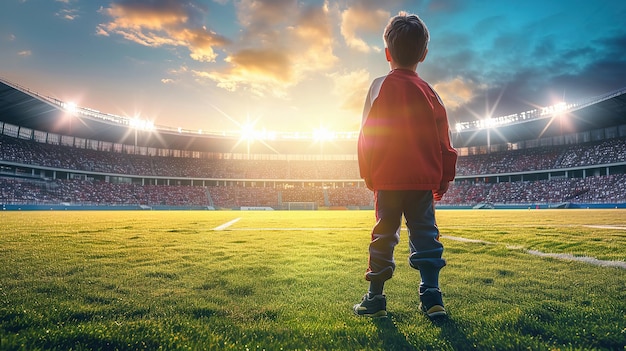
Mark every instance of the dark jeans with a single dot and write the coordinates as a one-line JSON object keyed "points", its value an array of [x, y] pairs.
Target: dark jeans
{"points": [[425, 248]]}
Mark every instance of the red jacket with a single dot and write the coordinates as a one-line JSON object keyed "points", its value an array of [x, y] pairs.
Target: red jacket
{"points": [[404, 142]]}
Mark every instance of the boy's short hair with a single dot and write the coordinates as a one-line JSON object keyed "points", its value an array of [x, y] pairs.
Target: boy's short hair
{"points": [[406, 37]]}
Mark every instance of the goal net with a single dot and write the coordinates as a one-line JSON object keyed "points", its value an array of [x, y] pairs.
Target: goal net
{"points": [[299, 206]]}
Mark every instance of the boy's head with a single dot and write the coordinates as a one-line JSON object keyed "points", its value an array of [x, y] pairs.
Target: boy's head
{"points": [[406, 38]]}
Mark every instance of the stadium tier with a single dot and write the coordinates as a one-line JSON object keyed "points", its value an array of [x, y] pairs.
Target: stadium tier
{"points": [[529, 159]]}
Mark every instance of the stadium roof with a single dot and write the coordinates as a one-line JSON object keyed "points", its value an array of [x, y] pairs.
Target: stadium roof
{"points": [[23, 108], [600, 112]]}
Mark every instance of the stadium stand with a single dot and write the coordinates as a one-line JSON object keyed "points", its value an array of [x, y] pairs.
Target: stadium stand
{"points": [[256, 183], [39, 166]]}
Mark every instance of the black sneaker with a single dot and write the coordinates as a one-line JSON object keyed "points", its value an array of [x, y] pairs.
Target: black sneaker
{"points": [[431, 303], [372, 307]]}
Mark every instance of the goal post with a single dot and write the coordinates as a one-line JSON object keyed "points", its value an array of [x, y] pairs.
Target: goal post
{"points": [[299, 206]]}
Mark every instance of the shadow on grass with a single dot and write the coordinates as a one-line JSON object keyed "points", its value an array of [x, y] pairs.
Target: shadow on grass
{"points": [[390, 336], [453, 334], [393, 339]]}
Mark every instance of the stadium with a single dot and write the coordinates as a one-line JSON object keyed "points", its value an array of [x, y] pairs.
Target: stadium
{"points": [[56, 155]]}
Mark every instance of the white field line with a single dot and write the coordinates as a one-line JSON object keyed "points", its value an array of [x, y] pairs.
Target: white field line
{"points": [[606, 227], [584, 259], [448, 227], [227, 224], [465, 240], [298, 229], [597, 226]]}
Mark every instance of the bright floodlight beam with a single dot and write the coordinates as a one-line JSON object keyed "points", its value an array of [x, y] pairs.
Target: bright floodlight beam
{"points": [[141, 124], [323, 134], [247, 132], [70, 107]]}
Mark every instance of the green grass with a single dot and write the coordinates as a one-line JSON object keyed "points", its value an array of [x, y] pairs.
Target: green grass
{"points": [[288, 280]]}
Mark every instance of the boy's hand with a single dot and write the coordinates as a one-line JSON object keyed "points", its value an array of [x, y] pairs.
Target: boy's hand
{"points": [[438, 194]]}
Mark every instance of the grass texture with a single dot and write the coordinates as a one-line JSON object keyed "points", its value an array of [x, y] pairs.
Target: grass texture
{"points": [[287, 281]]}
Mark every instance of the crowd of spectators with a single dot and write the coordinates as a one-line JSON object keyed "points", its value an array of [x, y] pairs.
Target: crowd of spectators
{"points": [[606, 188], [595, 189], [544, 158], [70, 158], [89, 192], [28, 191], [609, 151], [510, 161]]}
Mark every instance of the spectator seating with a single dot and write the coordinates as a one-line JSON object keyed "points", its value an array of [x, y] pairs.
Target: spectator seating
{"points": [[323, 182]]}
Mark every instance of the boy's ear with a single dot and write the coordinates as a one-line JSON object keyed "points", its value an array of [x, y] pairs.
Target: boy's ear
{"points": [[424, 56], [387, 55]]}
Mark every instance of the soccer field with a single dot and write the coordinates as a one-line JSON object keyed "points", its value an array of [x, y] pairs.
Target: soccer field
{"points": [[243, 280]]}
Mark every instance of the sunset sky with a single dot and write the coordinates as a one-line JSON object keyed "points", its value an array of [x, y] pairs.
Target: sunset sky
{"points": [[287, 65]]}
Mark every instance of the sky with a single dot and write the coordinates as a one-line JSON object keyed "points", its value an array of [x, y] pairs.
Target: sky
{"points": [[296, 66]]}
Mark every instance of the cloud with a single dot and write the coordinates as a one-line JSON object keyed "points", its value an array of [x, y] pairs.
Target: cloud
{"points": [[458, 91], [570, 73], [101, 32], [282, 42], [521, 66], [313, 49], [261, 16], [159, 23], [360, 20], [68, 14], [269, 63], [259, 71], [25, 53], [352, 88]]}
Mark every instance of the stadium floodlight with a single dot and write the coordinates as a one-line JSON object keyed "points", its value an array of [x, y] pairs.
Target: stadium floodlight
{"points": [[487, 123], [323, 134], [555, 109], [141, 124], [70, 107], [560, 108], [247, 132], [490, 122]]}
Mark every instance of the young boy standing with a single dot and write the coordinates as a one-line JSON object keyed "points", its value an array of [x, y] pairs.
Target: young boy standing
{"points": [[406, 158]]}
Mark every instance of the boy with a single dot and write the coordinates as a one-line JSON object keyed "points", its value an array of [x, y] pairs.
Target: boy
{"points": [[406, 158]]}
